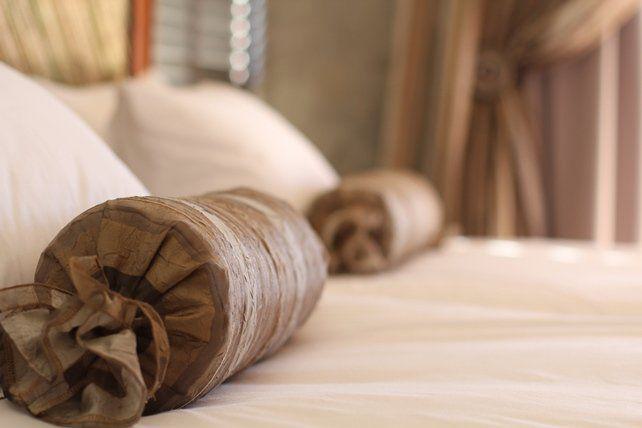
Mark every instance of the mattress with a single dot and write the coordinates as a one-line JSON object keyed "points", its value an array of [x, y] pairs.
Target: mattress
{"points": [[478, 333]]}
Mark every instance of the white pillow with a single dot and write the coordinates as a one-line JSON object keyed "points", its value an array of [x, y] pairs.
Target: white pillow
{"points": [[95, 104], [52, 167], [187, 141]]}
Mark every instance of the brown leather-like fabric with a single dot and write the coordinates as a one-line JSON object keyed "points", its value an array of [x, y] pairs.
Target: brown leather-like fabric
{"points": [[376, 219], [146, 304]]}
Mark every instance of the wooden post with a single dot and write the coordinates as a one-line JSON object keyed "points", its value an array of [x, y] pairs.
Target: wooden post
{"points": [[140, 33], [638, 87], [606, 157]]}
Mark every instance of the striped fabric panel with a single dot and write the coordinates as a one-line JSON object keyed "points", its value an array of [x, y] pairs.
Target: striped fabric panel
{"points": [[71, 41]]}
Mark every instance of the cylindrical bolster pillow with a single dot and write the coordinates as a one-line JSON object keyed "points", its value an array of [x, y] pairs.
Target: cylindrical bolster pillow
{"points": [[146, 304], [374, 220]]}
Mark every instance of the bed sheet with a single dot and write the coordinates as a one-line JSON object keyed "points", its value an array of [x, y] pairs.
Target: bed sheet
{"points": [[478, 333]]}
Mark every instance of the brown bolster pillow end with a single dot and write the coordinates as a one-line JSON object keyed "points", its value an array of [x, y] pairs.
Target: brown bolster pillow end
{"points": [[376, 219]]}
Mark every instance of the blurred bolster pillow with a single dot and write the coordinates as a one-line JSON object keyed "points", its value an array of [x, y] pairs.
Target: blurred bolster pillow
{"points": [[376, 219], [146, 304]]}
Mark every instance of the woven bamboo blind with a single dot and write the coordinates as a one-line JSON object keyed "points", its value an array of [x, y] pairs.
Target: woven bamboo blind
{"points": [[71, 41]]}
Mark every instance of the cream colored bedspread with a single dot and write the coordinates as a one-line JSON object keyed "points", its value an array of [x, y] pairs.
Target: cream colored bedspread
{"points": [[480, 333]]}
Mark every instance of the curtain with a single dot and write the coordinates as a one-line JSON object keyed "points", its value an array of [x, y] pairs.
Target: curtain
{"points": [[518, 35], [566, 106], [484, 147]]}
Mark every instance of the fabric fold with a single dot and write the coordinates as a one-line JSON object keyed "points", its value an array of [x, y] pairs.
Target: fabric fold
{"points": [[79, 344]]}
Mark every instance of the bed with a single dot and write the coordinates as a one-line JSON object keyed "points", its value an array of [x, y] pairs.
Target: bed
{"points": [[478, 333], [475, 333]]}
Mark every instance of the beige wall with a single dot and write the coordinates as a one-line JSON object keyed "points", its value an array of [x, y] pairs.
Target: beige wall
{"points": [[326, 72]]}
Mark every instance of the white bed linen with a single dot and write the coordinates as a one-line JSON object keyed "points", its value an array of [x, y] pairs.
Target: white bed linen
{"points": [[480, 333], [52, 168]]}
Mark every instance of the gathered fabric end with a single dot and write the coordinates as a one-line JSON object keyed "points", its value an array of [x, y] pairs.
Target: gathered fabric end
{"points": [[353, 236], [74, 358], [376, 219]]}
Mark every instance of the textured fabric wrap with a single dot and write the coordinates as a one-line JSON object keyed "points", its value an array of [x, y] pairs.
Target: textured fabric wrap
{"points": [[146, 304], [375, 219]]}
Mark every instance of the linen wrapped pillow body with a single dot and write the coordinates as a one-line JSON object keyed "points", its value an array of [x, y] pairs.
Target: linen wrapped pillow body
{"points": [[149, 303]]}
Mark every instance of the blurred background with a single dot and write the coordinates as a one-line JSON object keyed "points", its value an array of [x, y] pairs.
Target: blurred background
{"points": [[524, 113], [322, 64]]}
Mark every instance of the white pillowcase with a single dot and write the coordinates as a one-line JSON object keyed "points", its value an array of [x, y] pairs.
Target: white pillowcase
{"points": [[52, 167], [95, 104], [188, 141]]}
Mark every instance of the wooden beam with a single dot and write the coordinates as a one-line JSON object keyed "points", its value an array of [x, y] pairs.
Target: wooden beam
{"points": [[404, 114], [606, 156], [140, 33], [638, 87], [451, 106]]}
